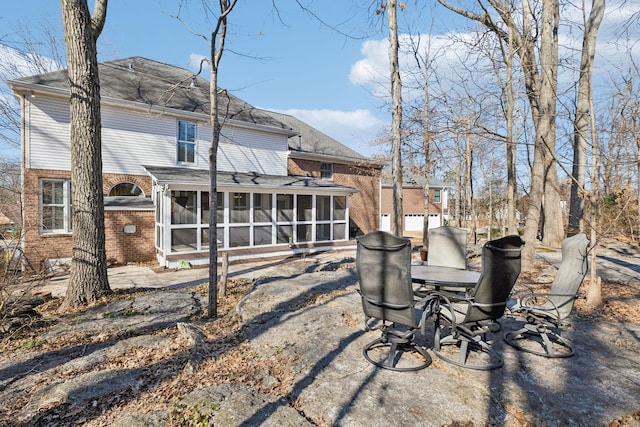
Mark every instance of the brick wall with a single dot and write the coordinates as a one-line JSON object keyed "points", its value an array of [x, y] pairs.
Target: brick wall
{"points": [[40, 247], [129, 247]]}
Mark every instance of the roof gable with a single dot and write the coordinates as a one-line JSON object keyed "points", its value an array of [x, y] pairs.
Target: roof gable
{"points": [[311, 140]]}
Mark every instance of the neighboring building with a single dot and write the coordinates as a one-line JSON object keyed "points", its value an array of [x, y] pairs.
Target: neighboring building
{"points": [[283, 187], [413, 204]]}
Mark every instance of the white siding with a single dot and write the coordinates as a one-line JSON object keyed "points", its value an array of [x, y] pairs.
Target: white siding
{"points": [[48, 134], [235, 158], [131, 139]]}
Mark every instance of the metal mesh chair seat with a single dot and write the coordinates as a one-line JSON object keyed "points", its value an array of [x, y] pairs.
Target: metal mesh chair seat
{"points": [[383, 264], [462, 323], [545, 313]]}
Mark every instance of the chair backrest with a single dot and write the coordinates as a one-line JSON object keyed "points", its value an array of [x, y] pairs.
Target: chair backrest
{"points": [[383, 263], [501, 263], [447, 247], [573, 269]]}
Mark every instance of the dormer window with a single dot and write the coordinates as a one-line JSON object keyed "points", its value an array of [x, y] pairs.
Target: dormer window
{"points": [[186, 142], [326, 170]]}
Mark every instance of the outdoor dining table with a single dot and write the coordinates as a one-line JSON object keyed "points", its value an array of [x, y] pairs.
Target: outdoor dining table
{"points": [[432, 277]]}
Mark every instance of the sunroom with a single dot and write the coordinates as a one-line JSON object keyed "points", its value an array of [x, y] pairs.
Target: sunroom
{"points": [[257, 215]]}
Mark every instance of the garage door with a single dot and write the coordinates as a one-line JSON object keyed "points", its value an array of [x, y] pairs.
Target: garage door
{"points": [[414, 222]]}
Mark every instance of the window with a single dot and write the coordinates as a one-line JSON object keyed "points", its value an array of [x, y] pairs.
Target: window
{"points": [[305, 207], [323, 208], [184, 207], [262, 207], [126, 189], [284, 205], [55, 200], [326, 170], [436, 196], [339, 208], [186, 142], [238, 207]]}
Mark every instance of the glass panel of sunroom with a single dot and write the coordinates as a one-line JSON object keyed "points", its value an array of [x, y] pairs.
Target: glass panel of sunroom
{"points": [[239, 207], [305, 207], [262, 235], [339, 208], [261, 207], [183, 207], [184, 240], [323, 208], [205, 238], [339, 231], [285, 234], [304, 232], [285, 207], [220, 208], [323, 232], [238, 236]]}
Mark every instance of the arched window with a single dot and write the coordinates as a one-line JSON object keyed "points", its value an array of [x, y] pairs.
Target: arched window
{"points": [[126, 189]]}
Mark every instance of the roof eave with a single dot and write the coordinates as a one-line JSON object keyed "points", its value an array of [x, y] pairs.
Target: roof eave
{"points": [[305, 155]]}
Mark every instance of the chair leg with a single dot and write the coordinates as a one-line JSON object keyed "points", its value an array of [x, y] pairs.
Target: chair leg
{"points": [[538, 339], [471, 348], [397, 346]]}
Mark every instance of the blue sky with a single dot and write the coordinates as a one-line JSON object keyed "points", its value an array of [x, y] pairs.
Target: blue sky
{"points": [[287, 60], [298, 65]]}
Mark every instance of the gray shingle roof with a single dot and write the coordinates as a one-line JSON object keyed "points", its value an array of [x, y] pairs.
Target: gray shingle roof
{"points": [[312, 140], [156, 84], [176, 175]]}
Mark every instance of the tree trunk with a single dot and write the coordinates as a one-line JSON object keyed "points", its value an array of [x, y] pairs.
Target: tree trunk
{"points": [[594, 295], [88, 277], [511, 149], [426, 141], [553, 227], [581, 121], [224, 275], [544, 119], [468, 161], [396, 118], [218, 36]]}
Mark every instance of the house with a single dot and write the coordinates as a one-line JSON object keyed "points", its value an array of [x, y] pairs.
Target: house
{"points": [[413, 204], [282, 186]]}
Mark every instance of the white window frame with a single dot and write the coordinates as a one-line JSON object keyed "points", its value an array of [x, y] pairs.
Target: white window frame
{"points": [[326, 170], [66, 205], [181, 142]]}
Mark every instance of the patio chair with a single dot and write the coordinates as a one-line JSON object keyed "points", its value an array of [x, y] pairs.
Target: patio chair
{"points": [[447, 247], [545, 313], [383, 264], [462, 323]]}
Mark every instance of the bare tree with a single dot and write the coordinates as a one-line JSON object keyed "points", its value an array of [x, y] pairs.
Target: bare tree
{"points": [[541, 84], [396, 117], [88, 277], [217, 41], [581, 121], [23, 55]]}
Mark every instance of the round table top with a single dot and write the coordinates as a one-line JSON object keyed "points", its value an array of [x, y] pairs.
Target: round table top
{"points": [[444, 276]]}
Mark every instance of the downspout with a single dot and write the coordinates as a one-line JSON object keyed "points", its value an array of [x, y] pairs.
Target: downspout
{"points": [[23, 152]]}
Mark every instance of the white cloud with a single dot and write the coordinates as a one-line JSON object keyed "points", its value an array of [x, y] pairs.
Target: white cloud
{"points": [[15, 64], [195, 59], [618, 41], [355, 129], [375, 64]]}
